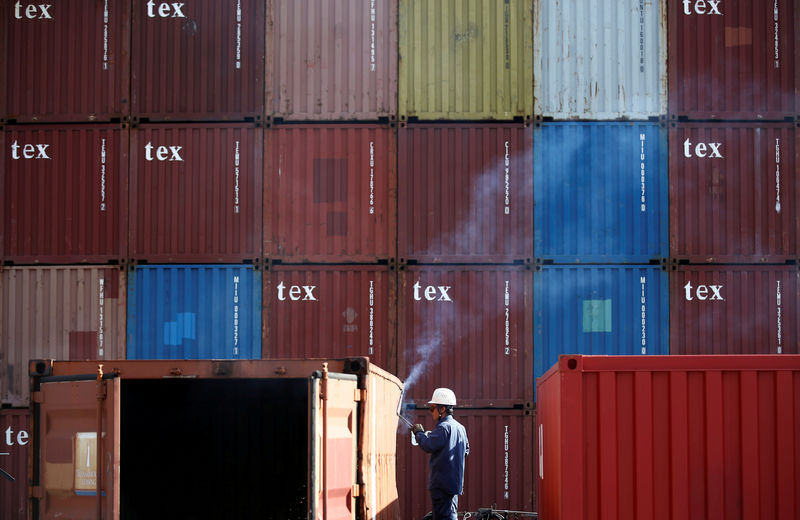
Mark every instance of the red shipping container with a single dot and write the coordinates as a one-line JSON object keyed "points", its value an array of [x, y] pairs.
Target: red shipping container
{"points": [[694, 437], [332, 60], [734, 60], [331, 311], [65, 61], [734, 310], [469, 329], [498, 472], [465, 193], [15, 440], [734, 192], [198, 60], [65, 193], [65, 312], [330, 193], [196, 193]]}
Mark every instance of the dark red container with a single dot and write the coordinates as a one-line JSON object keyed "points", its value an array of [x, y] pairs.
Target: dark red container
{"points": [[734, 310], [465, 193], [663, 437], [65, 193], [734, 192], [198, 60], [196, 193], [330, 193], [469, 329], [15, 441], [331, 311], [499, 470], [65, 61], [733, 60]]}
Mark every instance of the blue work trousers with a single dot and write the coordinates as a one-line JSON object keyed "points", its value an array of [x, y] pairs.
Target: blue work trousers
{"points": [[445, 506]]}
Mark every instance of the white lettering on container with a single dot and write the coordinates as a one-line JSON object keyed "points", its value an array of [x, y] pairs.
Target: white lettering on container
{"points": [[506, 493], [161, 152], [507, 302], [780, 331], [507, 200], [372, 177], [236, 315], [102, 174], [165, 9], [236, 178], [777, 39], [33, 11], [105, 35], [297, 292], [643, 303], [642, 156], [371, 316], [29, 151], [101, 320], [372, 33], [22, 437], [702, 292], [238, 60], [641, 35], [777, 175], [433, 292], [701, 7], [702, 150]]}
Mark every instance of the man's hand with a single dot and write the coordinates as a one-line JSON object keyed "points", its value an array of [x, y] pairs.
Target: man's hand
{"points": [[417, 428]]}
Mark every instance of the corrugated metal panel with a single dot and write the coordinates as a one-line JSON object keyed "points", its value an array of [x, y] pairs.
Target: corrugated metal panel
{"points": [[735, 310], [196, 193], [57, 313], [194, 312], [332, 60], [327, 311], [734, 192], [466, 59], [600, 60], [733, 60], [330, 193], [469, 329], [65, 61], [499, 470], [670, 437], [198, 60], [465, 193], [14, 453], [66, 194], [609, 310], [600, 192]]}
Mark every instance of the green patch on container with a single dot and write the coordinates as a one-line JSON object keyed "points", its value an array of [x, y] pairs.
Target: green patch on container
{"points": [[597, 315]]}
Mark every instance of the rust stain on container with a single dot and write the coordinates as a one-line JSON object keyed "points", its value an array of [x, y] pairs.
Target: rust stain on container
{"points": [[735, 310], [733, 60], [196, 193], [332, 60], [499, 470], [59, 313], [734, 192], [331, 311], [469, 329], [66, 194], [65, 61], [198, 60], [465, 193], [681, 436], [15, 441], [330, 193]]}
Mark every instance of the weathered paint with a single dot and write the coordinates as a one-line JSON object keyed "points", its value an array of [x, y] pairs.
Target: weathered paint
{"points": [[15, 442], [734, 60], [465, 59], [734, 309], [465, 193], [600, 192], [670, 437], [198, 60], [196, 193], [331, 311], [332, 60], [65, 61], [330, 193], [66, 194], [67, 312], [734, 192], [600, 60], [468, 328], [194, 312]]}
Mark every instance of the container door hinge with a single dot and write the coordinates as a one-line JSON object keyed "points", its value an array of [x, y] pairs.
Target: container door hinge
{"points": [[360, 395], [37, 492], [37, 397], [358, 490]]}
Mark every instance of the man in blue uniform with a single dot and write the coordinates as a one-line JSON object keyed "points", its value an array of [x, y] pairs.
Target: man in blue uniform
{"points": [[448, 446]]}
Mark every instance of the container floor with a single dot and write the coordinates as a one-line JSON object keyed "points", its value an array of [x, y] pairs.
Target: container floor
{"points": [[214, 448]]}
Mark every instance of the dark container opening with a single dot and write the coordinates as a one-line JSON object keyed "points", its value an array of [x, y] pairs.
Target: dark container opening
{"points": [[214, 448]]}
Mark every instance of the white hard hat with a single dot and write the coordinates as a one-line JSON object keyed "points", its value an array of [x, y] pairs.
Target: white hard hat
{"points": [[443, 396]]}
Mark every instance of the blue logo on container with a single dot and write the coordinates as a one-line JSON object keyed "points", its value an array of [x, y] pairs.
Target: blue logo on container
{"points": [[184, 327]]}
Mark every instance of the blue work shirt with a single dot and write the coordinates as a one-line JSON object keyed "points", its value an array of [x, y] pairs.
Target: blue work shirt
{"points": [[448, 446]]}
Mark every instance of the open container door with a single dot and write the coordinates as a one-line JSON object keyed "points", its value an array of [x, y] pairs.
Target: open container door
{"points": [[72, 413], [334, 420]]}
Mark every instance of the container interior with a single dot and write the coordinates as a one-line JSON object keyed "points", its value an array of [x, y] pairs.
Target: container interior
{"points": [[214, 448]]}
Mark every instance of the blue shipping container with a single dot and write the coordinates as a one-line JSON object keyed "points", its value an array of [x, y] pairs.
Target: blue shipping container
{"points": [[194, 312], [601, 310], [600, 192]]}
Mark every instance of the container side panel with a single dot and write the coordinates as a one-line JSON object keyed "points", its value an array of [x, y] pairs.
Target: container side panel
{"points": [[194, 312], [15, 446], [58, 313], [600, 192]]}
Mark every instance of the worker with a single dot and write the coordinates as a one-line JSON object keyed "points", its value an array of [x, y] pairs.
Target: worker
{"points": [[448, 446]]}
